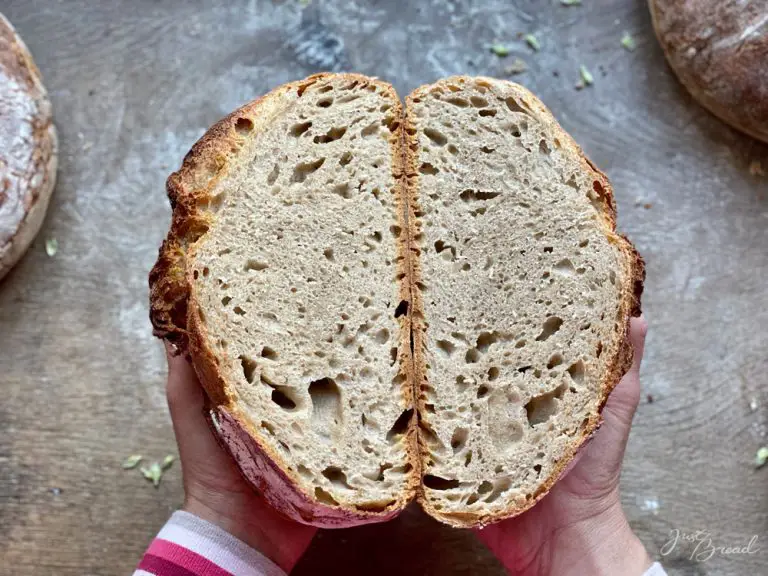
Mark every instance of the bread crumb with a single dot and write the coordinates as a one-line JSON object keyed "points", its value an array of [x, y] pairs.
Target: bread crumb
{"points": [[518, 66], [649, 398], [647, 205]]}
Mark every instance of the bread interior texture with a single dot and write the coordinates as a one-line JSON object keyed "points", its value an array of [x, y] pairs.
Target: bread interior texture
{"points": [[297, 283], [520, 283]]}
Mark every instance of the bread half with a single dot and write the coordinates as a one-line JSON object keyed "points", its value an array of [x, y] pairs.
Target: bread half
{"points": [[385, 305], [284, 280], [522, 299]]}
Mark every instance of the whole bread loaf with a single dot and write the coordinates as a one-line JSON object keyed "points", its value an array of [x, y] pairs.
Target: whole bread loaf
{"points": [[28, 148], [387, 304], [719, 51]]}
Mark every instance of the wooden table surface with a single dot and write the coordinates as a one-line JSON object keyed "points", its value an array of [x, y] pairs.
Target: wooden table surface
{"points": [[135, 83]]}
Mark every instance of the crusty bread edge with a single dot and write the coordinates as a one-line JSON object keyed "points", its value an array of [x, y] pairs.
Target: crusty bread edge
{"points": [[48, 144], [634, 274], [175, 316]]}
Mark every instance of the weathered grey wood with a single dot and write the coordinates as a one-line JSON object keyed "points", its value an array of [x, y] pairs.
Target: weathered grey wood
{"points": [[135, 83]]}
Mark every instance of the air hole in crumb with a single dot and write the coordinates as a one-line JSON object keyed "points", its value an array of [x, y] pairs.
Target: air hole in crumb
{"points": [[472, 356], [460, 102], [268, 353], [565, 267], [478, 101], [400, 427], [544, 148], [249, 368], [402, 309], [239, 311], [554, 360], [345, 159], [537, 469], [256, 265], [282, 399], [299, 129], [611, 276], [382, 336], [370, 130], [332, 135], [482, 391], [493, 373], [326, 405], [514, 106], [542, 407], [599, 349], [550, 327], [304, 169], [485, 487], [324, 497], [459, 439], [437, 137], [446, 347], [395, 230], [487, 149], [452, 149], [243, 126], [337, 477], [489, 112], [583, 243], [520, 344], [477, 195], [328, 253], [226, 300], [393, 356], [437, 483], [577, 371], [427, 168], [325, 102]]}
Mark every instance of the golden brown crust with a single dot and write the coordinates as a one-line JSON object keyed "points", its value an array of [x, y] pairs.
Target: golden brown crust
{"points": [[634, 273], [718, 50], [28, 148], [175, 313]]}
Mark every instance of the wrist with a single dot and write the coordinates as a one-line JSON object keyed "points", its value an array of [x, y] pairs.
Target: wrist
{"points": [[602, 545]]}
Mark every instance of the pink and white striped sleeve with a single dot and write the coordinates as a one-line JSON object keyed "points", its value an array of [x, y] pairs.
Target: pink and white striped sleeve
{"points": [[190, 546]]}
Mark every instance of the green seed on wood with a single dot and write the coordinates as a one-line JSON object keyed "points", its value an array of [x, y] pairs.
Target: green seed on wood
{"points": [[132, 461], [532, 41]]}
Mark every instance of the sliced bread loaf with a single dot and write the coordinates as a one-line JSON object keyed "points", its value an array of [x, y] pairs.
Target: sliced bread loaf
{"points": [[338, 271]]}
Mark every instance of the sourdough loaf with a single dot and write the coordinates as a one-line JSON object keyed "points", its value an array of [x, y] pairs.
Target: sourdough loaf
{"points": [[719, 52], [28, 148], [384, 305]]}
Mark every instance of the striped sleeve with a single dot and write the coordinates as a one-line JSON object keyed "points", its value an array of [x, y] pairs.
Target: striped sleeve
{"points": [[190, 546], [655, 570]]}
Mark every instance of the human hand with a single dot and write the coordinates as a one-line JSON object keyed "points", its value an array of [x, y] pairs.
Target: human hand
{"points": [[579, 527], [213, 487]]}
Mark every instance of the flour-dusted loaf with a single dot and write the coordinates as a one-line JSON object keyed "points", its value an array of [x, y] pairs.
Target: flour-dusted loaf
{"points": [[28, 148], [719, 51], [523, 296], [384, 306]]}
